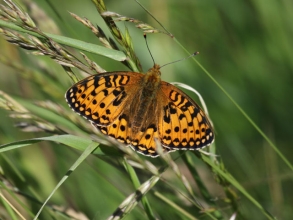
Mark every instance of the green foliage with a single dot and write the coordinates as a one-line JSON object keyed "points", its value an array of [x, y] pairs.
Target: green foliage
{"points": [[244, 72]]}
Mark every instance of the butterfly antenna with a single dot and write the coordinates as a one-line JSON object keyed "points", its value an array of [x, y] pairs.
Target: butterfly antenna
{"points": [[154, 18], [145, 37], [194, 54]]}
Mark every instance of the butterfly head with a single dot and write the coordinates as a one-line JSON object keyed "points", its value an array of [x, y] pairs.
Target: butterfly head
{"points": [[155, 70], [153, 75]]}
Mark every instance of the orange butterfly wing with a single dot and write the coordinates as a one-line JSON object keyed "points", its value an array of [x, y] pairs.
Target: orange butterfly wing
{"points": [[101, 98], [183, 125]]}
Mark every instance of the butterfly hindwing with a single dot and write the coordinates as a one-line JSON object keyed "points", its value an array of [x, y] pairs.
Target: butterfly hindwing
{"points": [[118, 129], [142, 141], [146, 143]]}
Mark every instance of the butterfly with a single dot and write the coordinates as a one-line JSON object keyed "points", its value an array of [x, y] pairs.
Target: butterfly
{"points": [[136, 109]]}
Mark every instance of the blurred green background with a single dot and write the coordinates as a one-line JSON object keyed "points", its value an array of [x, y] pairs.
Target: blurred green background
{"points": [[245, 45]]}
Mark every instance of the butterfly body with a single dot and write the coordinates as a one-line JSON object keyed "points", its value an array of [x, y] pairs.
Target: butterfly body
{"points": [[145, 98], [136, 109]]}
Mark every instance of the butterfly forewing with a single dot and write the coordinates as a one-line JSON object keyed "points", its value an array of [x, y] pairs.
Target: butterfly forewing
{"points": [[182, 125], [102, 98]]}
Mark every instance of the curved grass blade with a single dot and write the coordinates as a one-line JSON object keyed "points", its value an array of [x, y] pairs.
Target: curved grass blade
{"points": [[78, 143], [78, 44], [91, 147]]}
